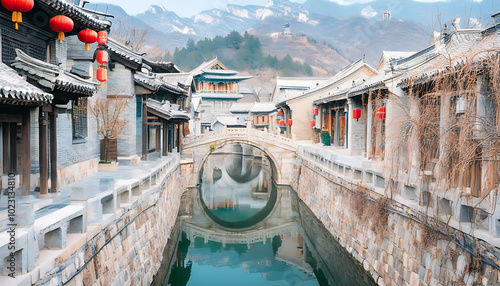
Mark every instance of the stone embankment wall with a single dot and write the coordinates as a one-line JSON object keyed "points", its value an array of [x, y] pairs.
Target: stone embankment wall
{"points": [[121, 245], [396, 245]]}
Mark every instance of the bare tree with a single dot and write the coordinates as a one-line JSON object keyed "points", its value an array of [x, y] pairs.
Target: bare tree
{"points": [[110, 123]]}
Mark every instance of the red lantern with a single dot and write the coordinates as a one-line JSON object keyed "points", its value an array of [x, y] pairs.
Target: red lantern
{"points": [[102, 37], [381, 113], [289, 122], [280, 112], [102, 75], [16, 7], [102, 56], [87, 36], [313, 123], [315, 111], [282, 122], [61, 24], [277, 121], [356, 113]]}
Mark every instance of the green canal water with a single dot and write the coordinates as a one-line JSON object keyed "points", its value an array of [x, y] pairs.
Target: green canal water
{"points": [[239, 228]]}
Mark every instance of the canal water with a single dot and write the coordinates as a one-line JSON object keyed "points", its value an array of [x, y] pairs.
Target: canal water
{"points": [[239, 228]]}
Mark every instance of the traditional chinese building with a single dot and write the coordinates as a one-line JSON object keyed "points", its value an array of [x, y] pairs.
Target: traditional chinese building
{"points": [[217, 88]]}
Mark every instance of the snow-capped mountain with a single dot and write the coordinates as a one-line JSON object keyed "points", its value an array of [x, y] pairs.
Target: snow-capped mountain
{"points": [[354, 31]]}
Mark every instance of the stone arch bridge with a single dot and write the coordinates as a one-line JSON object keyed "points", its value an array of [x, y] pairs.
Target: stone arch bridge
{"points": [[279, 149]]}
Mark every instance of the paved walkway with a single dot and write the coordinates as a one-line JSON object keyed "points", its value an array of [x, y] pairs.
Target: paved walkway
{"points": [[95, 185]]}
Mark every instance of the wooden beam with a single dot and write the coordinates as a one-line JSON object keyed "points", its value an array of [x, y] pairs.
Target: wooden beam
{"points": [[165, 138], [11, 118], [6, 147], [44, 155], [152, 117], [26, 154], [157, 145], [154, 123], [144, 129], [54, 188]]}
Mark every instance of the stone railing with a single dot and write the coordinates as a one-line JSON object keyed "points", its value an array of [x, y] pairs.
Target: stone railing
{"points": [[250, 134]]}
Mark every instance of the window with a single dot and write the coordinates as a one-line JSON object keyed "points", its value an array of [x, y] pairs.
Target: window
{"points": [[80, 118], [33, 47]]}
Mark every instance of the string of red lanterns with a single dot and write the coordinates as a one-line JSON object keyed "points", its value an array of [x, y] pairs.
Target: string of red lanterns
{"points": [[87, 36], [356, 113], [380, 113], [16, 7], [61, 24], [102, 58]]}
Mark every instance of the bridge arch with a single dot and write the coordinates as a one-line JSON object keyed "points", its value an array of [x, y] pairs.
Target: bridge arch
{"points": [[275, 167], [278, 149]]}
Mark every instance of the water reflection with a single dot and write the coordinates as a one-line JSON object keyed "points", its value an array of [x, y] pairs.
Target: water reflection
{"points": [[241, 229], [239, 194]]}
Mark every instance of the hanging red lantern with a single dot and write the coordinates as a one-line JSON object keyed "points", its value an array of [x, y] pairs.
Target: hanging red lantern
{"points": [[277, 121], [381, 113], [102, 56], [280, 112], [289, 122], [61, 24], [102, 75], [313, 123], [356, 113], [282, 122], [87, 36], [16, 7], [315, 111], [102, 37]]}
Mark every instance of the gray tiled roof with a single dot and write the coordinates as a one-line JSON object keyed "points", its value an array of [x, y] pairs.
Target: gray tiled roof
{"points": [[52, 76], [155, 83], [169, 111], [124, 51], [14, 89], [83, 16]]}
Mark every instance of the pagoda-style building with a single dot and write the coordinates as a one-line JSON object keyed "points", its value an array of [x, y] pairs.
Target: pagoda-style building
{"points": [[217, 88]]}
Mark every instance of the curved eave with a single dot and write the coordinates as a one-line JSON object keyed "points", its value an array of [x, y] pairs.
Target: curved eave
{"points": [[77, 14]]}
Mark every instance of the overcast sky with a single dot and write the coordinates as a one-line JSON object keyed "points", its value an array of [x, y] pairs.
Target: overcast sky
{"points": [[188, 8], [183, 8]]}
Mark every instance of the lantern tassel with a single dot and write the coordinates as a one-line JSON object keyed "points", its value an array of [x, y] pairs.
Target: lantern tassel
{"points": [[60, 36], [87, 46], [102, 85], [17, 17]]}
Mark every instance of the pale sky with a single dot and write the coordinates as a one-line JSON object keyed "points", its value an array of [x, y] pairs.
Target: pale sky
{"points": [[183, 8]]}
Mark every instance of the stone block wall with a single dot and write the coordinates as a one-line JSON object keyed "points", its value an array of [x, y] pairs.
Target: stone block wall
{"points": [[396, 246], [70, 152], [125, 246]]}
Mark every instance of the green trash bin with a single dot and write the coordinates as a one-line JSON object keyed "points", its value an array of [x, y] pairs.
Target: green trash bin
{"points": [[326, 138]]}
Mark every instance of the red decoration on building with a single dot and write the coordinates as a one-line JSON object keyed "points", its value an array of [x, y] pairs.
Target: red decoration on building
{"points": [[289, 122], [356, 113], [282, 122], [277, 121], [16, 7], [102, 57], [315, 111], [102, 75], [61, 24], [280, 112], [313, 123], [87, 36], [102, 37], [381, 113]]}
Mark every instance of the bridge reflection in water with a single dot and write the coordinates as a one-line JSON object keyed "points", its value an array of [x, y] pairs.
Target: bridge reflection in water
{"points": [[239, 228]]}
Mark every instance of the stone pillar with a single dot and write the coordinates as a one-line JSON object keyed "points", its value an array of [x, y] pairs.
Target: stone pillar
{"points": [[26, 154], [54, 188], [44, 155]]}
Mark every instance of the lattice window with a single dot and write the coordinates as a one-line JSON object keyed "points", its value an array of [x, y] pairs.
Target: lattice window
{"points": [[80, 118], [33, 47]]}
